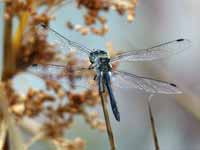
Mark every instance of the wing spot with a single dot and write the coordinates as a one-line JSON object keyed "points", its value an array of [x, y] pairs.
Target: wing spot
{"points": [[172, 84], [180, 40], [43, 25]]}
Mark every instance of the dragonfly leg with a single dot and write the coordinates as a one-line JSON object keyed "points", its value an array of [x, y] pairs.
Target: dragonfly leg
{"points": [[95, 77], [91, 66]]}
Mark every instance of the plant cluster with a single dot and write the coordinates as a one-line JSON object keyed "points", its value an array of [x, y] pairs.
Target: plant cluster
{"points": [[26, 45]]}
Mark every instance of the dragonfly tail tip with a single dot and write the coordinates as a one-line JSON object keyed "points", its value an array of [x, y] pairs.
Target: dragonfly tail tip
{"points": [[117, 116]]}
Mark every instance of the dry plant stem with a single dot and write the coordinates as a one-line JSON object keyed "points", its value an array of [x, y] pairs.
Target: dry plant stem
{"points": [[37, 137], [12, 140], [189, 100], [2, 133], [108, 125], [6, 68], [33, 129], [9, 61], [59, 6], [6, 145], [3, 113], [152, 121]]}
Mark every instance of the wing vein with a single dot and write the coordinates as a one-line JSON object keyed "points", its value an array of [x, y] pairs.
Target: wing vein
{"points": [[155, 52]]}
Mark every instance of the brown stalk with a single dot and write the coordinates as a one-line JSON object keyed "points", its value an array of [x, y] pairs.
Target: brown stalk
{"points": [[153, 127], [2, 132], [6, 144], [9, 61], [108, 125], [7, 71], [11, 139], [4, 114]]}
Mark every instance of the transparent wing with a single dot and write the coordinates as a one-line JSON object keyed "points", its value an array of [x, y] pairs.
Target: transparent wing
{"points": [[46, 71], [156, 52], [127, 80], [84, 77], [62, 43]]}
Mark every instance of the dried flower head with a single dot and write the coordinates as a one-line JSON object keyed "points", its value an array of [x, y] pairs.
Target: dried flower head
{"points": [[94, 7], [56, 105]]}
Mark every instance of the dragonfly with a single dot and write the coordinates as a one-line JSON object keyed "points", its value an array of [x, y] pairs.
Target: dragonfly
{"points": [[106, 77]]}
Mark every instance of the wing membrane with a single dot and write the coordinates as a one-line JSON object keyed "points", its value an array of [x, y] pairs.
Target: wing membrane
{"points": [[46, 71], [128, 80], [59, 72], [62, 43], [156, 52]]}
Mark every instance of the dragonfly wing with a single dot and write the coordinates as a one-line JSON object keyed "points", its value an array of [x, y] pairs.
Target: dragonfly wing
{"points": [[156, 52], [60, 72], [51, 72], [127, 80], [60, 42]]}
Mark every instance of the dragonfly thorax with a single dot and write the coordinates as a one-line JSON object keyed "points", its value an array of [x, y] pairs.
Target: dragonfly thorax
{"points": [[100, 60], [96, 54]]}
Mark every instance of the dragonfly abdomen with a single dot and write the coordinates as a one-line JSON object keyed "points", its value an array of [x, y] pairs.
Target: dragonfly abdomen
{"points": [[112, 97]]}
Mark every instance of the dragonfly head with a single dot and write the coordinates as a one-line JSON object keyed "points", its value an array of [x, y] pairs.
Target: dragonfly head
{"points": [[97, 54]]}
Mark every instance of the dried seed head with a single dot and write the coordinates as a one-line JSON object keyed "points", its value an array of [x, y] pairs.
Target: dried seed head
{"points": [[58, 108], [95, 6]]}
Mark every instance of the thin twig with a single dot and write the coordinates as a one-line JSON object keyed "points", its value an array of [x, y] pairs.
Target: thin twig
{"points": [[155, 137], [34, 139], [108, 125], [58, 6]]}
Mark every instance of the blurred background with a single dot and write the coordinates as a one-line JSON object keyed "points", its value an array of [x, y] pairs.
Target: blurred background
{"points": [[176, 117]]}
